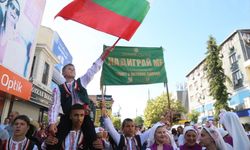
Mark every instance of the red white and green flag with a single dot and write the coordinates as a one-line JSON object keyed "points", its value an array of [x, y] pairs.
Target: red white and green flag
{"points": [[120, 18]]}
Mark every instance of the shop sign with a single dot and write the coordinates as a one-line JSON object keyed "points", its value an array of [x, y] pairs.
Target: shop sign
{"points": [[41, 96], [14, 84]]}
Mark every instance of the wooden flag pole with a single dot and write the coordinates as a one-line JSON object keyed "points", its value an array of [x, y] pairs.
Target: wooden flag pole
{"points": [[109, 49]]}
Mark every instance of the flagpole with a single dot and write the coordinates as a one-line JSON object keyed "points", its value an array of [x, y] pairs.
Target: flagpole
{"points": [[103, 57], [109, 49], [169, 105]]}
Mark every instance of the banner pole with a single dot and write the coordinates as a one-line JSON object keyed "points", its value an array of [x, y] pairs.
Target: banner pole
{"points": [[169, 105]]}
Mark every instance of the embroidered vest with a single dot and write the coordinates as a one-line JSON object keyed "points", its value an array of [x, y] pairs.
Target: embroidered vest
{"points": [[123, 143], [66, 97]]}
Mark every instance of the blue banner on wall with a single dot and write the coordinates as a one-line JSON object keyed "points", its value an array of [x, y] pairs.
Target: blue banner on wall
{"points": [[61, 52]]}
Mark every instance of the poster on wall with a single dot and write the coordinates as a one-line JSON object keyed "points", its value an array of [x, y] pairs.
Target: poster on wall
{"points": [[61, 52], [20, 21], [108, 103]]}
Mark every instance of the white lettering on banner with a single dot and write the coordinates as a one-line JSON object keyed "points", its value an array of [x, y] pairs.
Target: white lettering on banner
{"points": [[11, 84]]}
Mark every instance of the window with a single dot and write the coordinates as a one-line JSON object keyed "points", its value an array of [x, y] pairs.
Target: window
{"points": [[233, 58], [45, 74], [237, 79], [32, 67]]}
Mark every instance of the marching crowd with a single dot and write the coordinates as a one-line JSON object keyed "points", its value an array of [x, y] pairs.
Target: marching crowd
{"points": [[19, 133], [76, 130]]}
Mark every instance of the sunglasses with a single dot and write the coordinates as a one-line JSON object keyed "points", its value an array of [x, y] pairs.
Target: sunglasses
{"points": [[13, 7]]}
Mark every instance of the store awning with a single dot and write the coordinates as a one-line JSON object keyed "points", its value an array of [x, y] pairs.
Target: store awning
{"points": [[243, 113]]}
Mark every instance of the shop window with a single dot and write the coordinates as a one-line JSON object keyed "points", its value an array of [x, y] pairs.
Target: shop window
{"points": [[45, 74]]}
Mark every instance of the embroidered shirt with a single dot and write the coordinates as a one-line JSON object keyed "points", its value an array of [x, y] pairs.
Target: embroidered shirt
{"points": [[72, 140], [85, 79], [116, 136], [18, 145]]}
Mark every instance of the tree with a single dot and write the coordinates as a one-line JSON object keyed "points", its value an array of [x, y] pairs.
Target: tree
{"points": [[215, 76], [139, 121], [116, 122], [156, 108], [193, 116]]}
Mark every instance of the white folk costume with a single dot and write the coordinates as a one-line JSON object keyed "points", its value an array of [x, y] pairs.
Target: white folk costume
{"points": [[25, 144], [71, 90], [231, 122], [68, 94], [74, 141], [125, 143]]}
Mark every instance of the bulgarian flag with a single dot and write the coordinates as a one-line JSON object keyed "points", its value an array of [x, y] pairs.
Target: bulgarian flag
{"points": [[120, 18]]}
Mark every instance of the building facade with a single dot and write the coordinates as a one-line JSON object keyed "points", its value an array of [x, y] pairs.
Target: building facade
{"points": [[235, 52], [50, 55], [41, 73], [198, 91], [236, 63]]}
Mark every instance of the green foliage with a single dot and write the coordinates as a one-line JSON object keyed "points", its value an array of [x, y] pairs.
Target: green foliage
{"points": [[156, 108], [215, 75], [139, 120], [193, 116], [116, 122]]}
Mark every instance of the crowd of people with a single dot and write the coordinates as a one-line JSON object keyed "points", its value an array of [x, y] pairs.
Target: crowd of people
{"points": [[76, 131], [18, 132]]}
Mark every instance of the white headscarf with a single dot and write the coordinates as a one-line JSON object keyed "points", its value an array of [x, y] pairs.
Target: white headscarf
{"points": [[172, 141], [232, 124], [151, 139], [222, 132], [189, 128], [219, 141]]}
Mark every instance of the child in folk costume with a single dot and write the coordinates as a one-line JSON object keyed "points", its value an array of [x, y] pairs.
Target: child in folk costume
{"points": [[75, 139], [73, 92], [128, 140], [19, 141]]}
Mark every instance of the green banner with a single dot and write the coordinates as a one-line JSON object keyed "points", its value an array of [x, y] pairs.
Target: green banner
{"points": [[134, 65]]}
